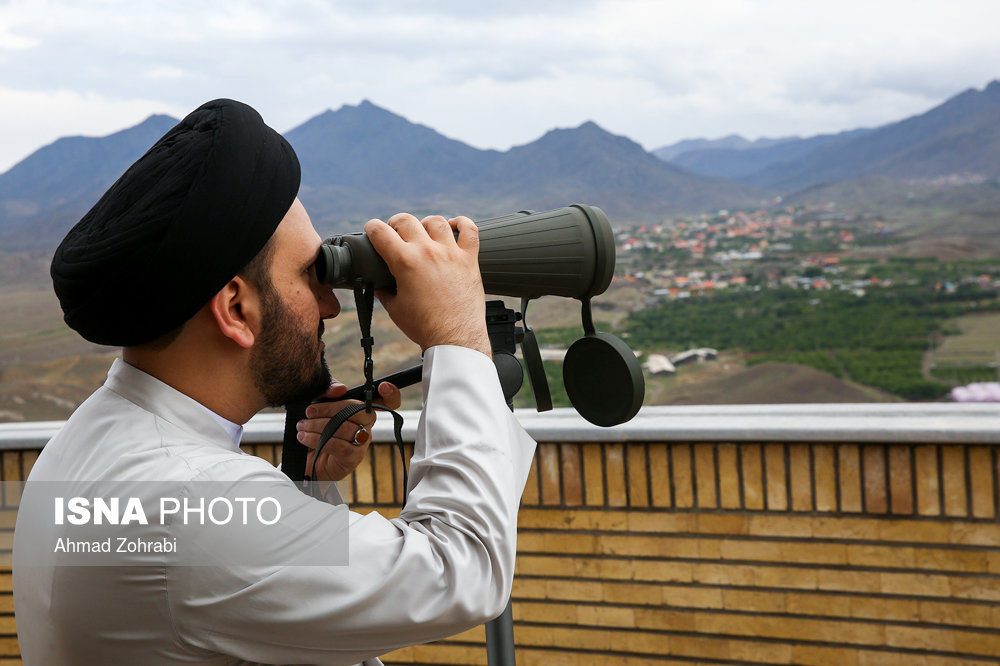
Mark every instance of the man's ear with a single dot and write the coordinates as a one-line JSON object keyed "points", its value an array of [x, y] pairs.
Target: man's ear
{"points": [[236, 309]]}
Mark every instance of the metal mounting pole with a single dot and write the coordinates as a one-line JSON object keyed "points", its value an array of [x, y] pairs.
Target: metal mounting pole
{"points": [[500, 639], [504, 336]]}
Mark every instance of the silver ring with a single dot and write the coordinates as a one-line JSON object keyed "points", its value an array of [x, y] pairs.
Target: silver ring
{"points": [[354, 440]]}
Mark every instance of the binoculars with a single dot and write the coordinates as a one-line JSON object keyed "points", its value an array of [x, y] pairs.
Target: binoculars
{"points": [[568, 252], [564, 252]]}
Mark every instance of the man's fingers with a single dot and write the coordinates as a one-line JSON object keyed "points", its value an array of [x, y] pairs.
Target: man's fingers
{"points": [[407, 226], [321, 411], [383, 238], [389, 395], [319, 414], [439, 292], [347, 447], [468, 233], [438, 229], [356, 434], [332, 467]]}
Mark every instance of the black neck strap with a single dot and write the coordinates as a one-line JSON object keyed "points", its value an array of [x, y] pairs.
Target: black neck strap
{"points": [[340, 418], [364, 300]]}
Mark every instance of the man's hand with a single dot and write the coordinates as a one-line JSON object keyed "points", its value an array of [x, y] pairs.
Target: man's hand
{"points": [[439, 298], [348, 446]]}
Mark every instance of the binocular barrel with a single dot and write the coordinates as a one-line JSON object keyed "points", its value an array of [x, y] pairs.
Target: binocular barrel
{"points": [[567, 252]]}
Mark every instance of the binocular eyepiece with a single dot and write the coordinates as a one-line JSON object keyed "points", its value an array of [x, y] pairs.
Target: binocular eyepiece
{"points": [[567, 252]]}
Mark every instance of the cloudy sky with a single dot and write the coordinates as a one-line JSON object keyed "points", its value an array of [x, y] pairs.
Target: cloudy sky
{"points": [[493, 74]]}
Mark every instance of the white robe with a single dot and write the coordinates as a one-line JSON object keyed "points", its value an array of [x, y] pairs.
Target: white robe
{"points": [[445, 565]]}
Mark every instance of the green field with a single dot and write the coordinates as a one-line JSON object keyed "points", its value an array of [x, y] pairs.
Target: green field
{"points": [[878, 340], [980, 335], [971, 354]]}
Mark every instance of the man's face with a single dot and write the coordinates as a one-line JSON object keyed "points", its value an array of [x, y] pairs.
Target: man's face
{"points": [[287, 358], [287, 361]]}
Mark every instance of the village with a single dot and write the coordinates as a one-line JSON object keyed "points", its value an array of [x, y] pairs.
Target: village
{"points": [[804, 247], [849, 262]]}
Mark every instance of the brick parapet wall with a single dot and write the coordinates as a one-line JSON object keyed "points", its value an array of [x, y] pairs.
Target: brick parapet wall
{"points": [[769, 553], [715, 552]]}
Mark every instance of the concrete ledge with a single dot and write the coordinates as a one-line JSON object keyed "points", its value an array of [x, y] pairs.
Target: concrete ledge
{"points": [[957, 423]]}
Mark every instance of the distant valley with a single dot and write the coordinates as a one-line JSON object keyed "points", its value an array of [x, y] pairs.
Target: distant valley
{"points": [[913, 204]]}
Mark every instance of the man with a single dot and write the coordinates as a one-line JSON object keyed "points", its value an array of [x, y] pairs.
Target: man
{"points": [[199, 263]]}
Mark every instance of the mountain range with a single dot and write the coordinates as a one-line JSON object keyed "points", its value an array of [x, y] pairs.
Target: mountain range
{"points": [[364, 161], [960, 136]]}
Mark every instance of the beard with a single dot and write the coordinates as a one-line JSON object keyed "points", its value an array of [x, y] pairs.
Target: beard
{"points": [[287, 363]]}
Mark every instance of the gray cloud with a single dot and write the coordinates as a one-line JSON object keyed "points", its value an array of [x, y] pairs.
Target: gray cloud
{"points": [[493, 74]]}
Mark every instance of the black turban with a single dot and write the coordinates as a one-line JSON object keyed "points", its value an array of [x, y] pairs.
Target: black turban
{"points": [[176, 227]]}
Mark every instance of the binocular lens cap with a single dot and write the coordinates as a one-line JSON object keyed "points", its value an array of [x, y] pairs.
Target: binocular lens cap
{"points": [[603, 379]]}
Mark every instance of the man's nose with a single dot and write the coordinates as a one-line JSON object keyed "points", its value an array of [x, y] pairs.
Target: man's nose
{"points": [[329, 306]]}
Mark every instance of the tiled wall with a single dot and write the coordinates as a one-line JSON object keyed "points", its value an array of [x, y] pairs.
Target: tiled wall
{"points": [[655, 553]]}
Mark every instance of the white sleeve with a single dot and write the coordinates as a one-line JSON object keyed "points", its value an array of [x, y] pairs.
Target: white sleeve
{"points": [[445, 565]]}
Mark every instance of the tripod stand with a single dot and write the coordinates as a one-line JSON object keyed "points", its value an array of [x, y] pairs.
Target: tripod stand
{"points": [[501, 325]]}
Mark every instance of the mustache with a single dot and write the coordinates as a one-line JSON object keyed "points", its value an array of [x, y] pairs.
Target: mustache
{"points": [[321, 328]]}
